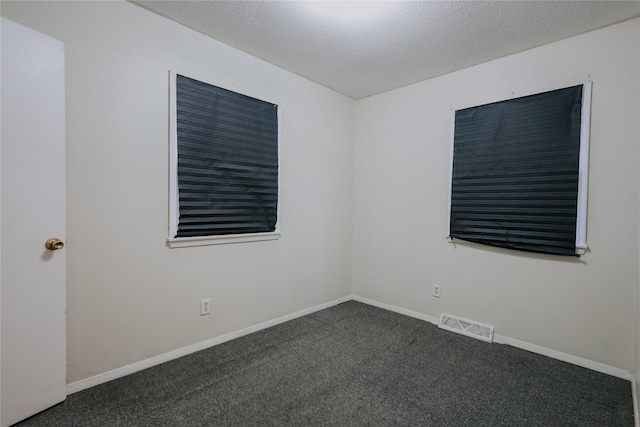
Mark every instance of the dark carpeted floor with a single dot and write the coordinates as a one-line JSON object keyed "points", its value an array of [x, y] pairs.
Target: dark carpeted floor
{"points": [[353, 365]]}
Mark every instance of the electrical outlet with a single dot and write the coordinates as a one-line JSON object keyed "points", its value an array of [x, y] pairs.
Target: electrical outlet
{"points": [[436, 291], [205, 306]]}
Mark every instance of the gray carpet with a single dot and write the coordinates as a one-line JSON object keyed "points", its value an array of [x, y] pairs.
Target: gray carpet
{"points": [[353, 365]]}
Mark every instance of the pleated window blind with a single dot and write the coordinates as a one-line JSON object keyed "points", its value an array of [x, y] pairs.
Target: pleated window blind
{"points": [[515, 173], [227, 161]]}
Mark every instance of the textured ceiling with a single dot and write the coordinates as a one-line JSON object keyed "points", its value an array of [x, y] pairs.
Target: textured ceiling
{"points": [[405, 43]]}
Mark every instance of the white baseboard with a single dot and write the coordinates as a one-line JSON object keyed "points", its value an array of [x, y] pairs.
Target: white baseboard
{"points": [[501, 339], [574, 360], [410, 313], [162, 358], [157, 360]]}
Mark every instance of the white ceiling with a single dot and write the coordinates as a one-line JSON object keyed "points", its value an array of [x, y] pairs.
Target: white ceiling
{"points": [[407, 42]]}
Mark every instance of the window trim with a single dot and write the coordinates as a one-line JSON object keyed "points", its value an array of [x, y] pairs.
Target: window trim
{"points": [[583, 171], [174, 205]]}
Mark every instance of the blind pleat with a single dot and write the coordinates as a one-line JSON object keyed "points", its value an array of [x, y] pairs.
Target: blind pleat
{"points": [[227, 161], [515, 173]]}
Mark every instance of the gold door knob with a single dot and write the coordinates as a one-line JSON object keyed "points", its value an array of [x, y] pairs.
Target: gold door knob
{"points": [[53, 244]]}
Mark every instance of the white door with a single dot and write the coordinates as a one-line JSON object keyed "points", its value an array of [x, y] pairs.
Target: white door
{"points": [[32, 209]]}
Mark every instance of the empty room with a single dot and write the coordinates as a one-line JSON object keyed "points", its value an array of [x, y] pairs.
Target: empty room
{"points": [[247, 213]]}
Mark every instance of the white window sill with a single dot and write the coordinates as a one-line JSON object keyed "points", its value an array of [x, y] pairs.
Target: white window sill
{"points": [[185, 242], [581, 249]]}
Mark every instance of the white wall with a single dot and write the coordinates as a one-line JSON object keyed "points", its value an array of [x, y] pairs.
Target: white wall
{"points": [[637, 349], [583, 307], [637, 367], [130, 297]]}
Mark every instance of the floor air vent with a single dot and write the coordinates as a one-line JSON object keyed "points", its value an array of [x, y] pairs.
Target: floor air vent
{"points": [[466, 327]]}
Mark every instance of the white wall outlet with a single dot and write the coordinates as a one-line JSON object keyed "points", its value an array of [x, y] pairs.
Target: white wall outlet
{"points": [[205, 306], [436, 291]]}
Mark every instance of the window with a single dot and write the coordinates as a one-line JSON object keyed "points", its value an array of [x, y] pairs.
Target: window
{"points": [[519, 172], [224, 165]]}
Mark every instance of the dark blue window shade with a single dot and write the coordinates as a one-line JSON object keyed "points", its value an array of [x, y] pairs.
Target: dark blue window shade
{"points": [[227, 161], [515, 173]]}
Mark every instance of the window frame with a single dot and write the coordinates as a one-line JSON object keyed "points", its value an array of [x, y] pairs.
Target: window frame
{"points": [[581, 246], [174, 203]]}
